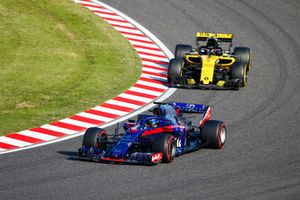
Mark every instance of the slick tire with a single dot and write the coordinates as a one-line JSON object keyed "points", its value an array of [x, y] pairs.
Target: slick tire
{"points": [[174, 71], [214, 134], [166, 144], [95, 137], [238, 71], [181, 50], [243, 55]]}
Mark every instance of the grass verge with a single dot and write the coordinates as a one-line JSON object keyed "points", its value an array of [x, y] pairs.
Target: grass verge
{"points": [[57, 59]]}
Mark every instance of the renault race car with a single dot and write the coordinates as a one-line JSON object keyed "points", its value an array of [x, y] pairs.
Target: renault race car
{"points": [[155, 138], [210, 66]]}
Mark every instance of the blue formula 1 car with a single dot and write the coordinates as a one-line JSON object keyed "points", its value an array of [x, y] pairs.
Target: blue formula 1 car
{"points": [[156, 138]]}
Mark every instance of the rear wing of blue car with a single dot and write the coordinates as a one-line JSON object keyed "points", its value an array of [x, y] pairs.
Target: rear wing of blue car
{"points": [[187, 107]]}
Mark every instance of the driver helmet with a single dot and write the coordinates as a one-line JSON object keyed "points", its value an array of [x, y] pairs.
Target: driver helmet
{"points": [[212, 43], [152, 123]]}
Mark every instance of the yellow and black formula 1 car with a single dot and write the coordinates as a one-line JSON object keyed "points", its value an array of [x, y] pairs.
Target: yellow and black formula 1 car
{"points": [[210, 66]]}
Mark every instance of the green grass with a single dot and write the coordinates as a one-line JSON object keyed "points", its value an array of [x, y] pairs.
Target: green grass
{"points": [[57, 59]]}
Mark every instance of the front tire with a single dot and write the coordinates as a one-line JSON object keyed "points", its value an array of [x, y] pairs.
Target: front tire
{"points": [[181, 50], [166, 144], [214, 134], [175, 71], [243, 55], [95, 138], [238, 71]]}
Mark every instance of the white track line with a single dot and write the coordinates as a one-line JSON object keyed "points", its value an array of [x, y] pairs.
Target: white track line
{"points": [[96, 117], [37, 135], [136, 37], [147, 69], [145, 91], [155, 85], [148, 63], [58, 129], [101, 10], [76, 123], [153, 57], [119, 23], [154, 78], [14, 142], [141, 43], [137, 98], [110, 110], [134, 31], [155, 52], [87, 3], [123, 104], [112, 17]]}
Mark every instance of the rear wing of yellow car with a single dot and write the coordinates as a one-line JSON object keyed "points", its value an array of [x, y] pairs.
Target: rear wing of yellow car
{"points": [[222, 37]]}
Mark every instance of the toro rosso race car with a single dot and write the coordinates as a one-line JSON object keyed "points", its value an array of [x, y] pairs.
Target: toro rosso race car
{"points": [[210, 66], [155, 138]]}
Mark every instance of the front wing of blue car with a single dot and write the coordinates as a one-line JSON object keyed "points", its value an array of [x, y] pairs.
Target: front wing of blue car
{"points": [[94, 154]]}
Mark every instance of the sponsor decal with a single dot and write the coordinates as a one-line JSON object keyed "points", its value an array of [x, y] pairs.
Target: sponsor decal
{"points": [[156, 157], [178, 142]]}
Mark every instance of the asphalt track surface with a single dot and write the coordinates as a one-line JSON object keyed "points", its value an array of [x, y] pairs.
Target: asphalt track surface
{"points": [[261, 159]]}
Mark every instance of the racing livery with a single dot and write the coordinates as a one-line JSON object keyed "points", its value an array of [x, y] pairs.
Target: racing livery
{"points": [[158, 137], [211, 65]]}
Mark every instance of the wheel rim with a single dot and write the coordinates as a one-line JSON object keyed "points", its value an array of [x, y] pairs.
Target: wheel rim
{"points": [[245, 75], [172, 150], [100, 139], [223, 135]]}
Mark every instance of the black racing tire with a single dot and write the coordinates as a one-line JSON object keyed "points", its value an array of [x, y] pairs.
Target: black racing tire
{"points": [[181, 50], [166, 144], [243, 55], [175, 71], [214, 134], [238, 71], [95, 137]]}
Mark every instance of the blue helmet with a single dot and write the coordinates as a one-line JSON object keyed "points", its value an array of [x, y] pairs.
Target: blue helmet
{"points": [[152, 123]]}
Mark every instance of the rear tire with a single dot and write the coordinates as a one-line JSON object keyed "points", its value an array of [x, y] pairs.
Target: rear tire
{"points": [[243, 55], [95, 137], [214, 134], [181, 50], [166, 144], [174, 71], [238, 71]]}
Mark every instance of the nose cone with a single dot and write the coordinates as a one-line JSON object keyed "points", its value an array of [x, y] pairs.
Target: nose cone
{"points": [[208, 66], [119, 150]]}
